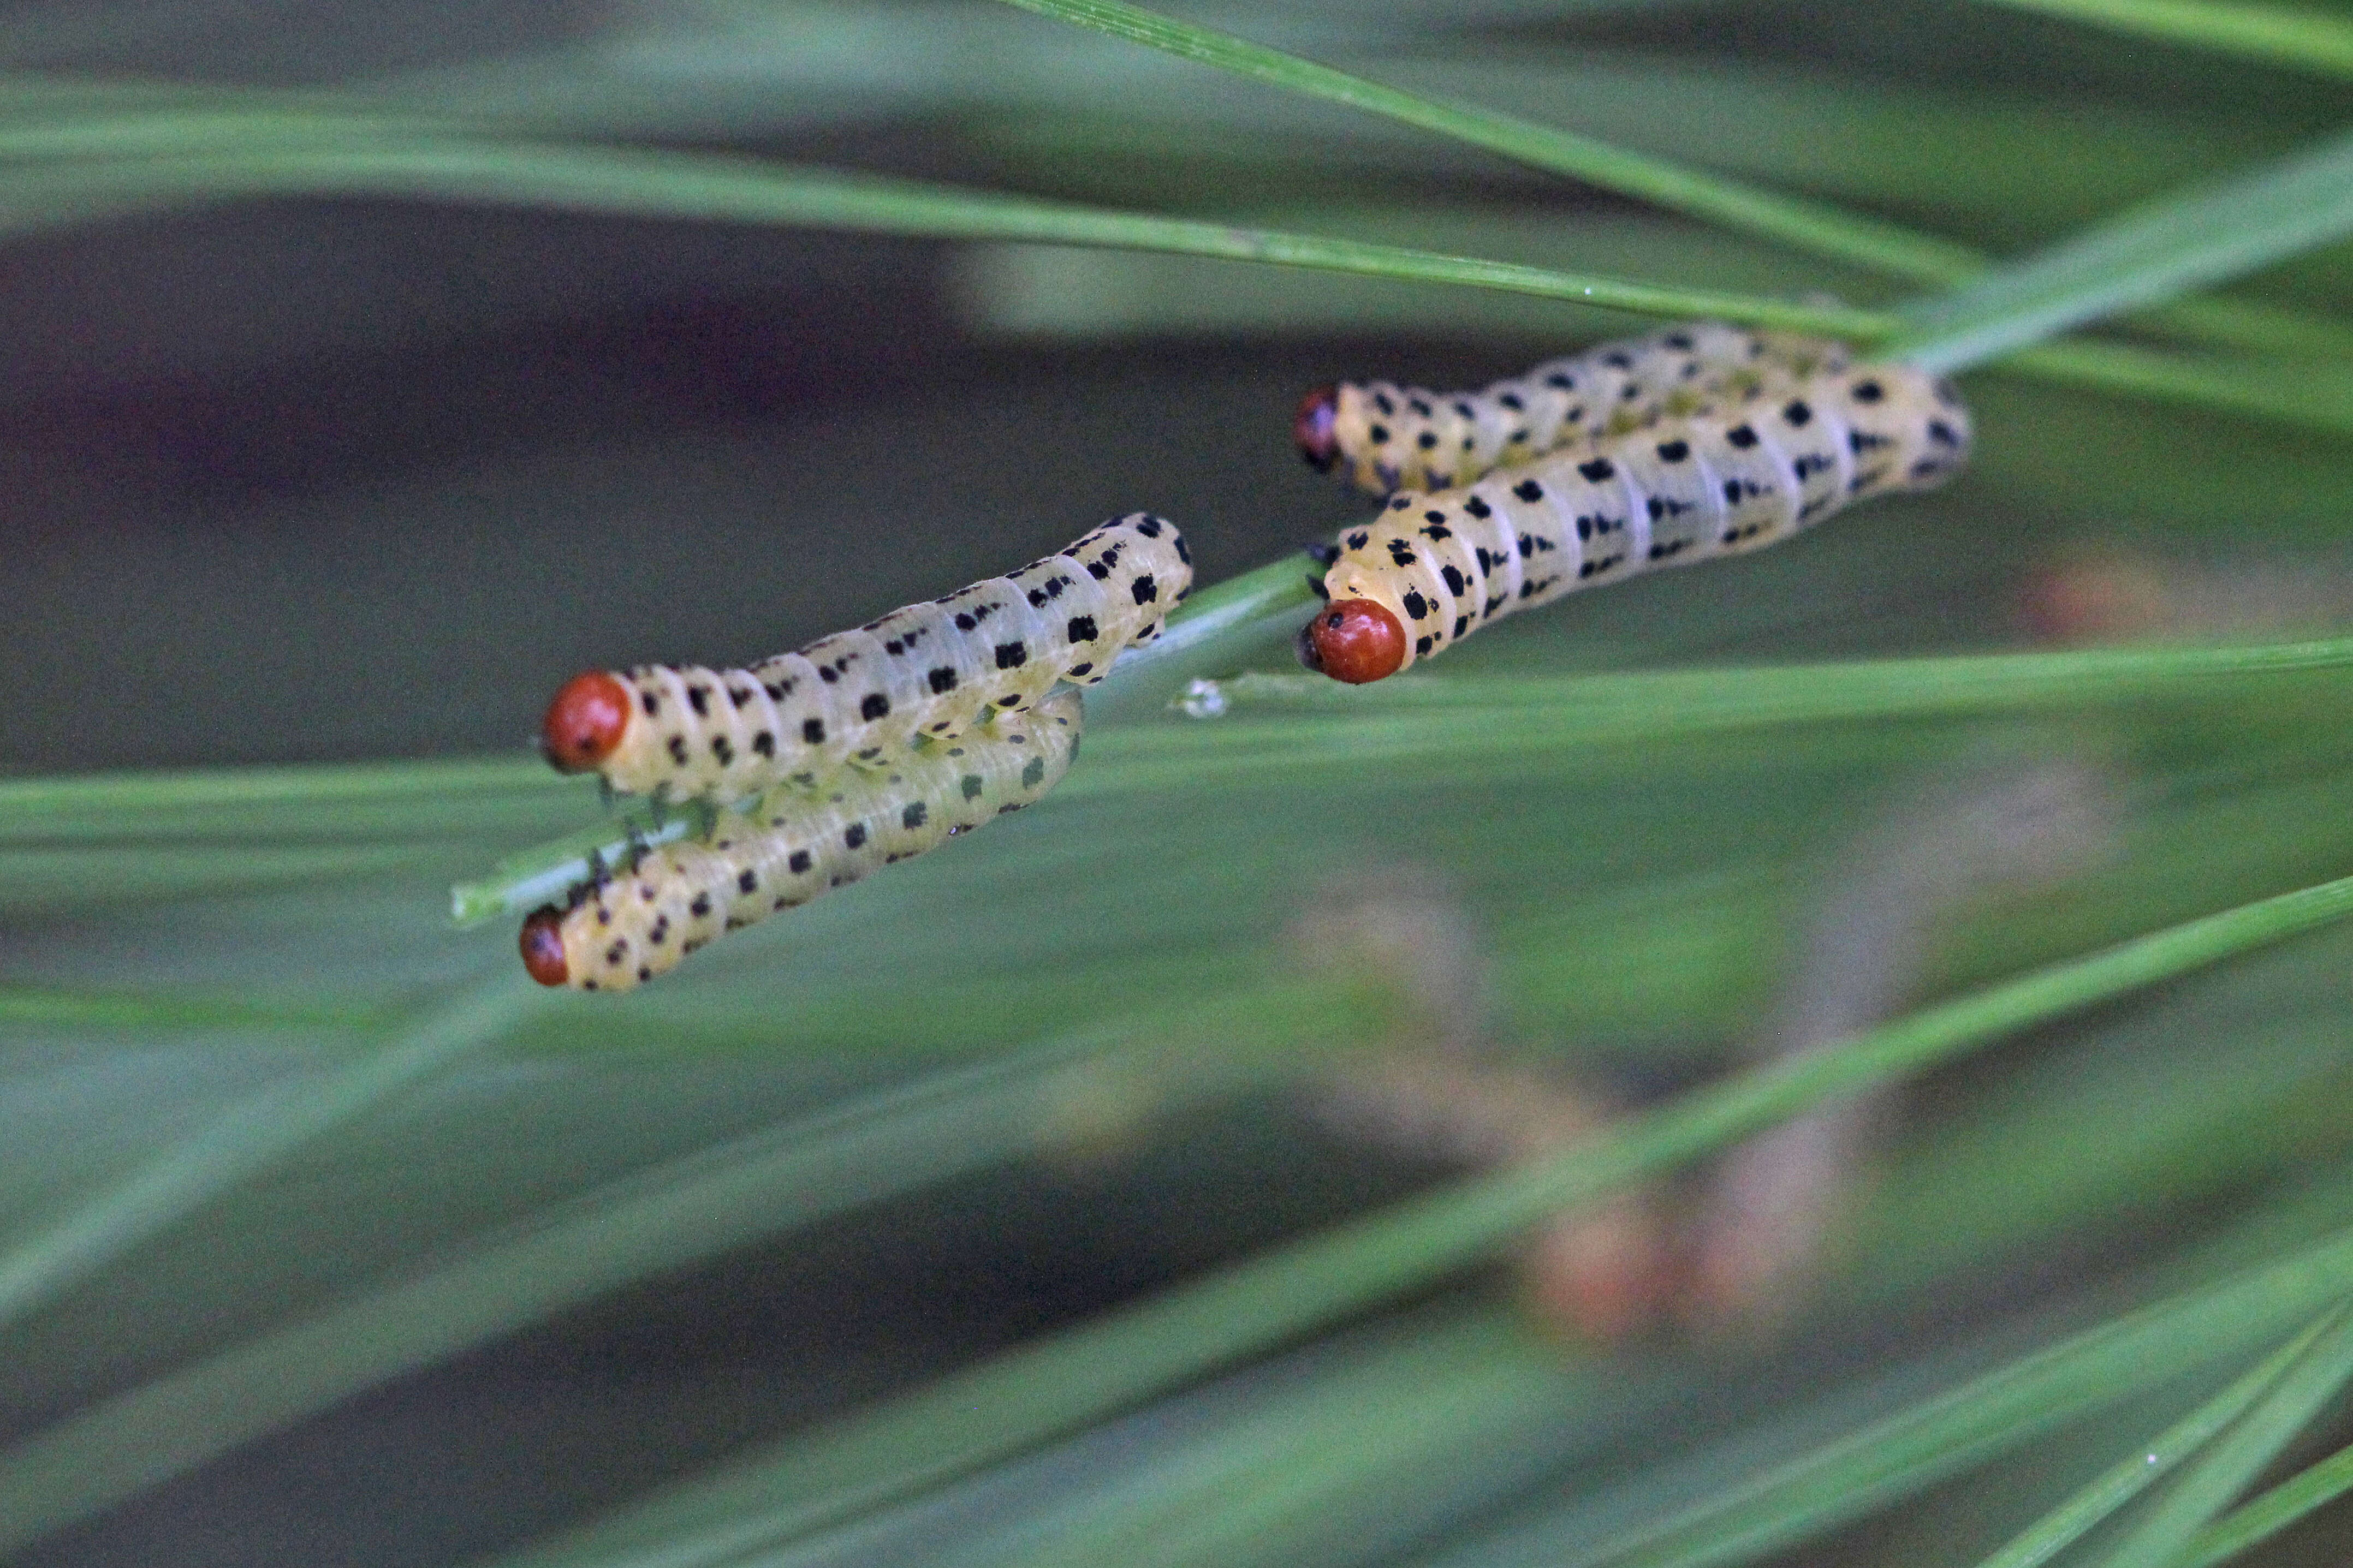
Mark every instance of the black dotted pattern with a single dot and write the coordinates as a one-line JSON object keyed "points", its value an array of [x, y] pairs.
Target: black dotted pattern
{"points": [[1390, 437], [1747, 464], [858, 699], [793, 842]]}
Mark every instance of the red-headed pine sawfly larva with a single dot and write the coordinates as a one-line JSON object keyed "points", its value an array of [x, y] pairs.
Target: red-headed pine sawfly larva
{"points": [[1744, 469], [790, 844], [1389, 437], [858, 698]]}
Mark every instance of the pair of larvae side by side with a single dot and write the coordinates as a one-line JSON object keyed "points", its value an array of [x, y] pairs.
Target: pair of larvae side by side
{"points": [[858, 751], [1694, 442]]}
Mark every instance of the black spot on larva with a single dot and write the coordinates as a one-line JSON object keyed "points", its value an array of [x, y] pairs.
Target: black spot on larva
{"points": [[1082, 628], [1867, 392], [1564, 382], [1148, 526], [1658, 508], [1077, 671], [1453, 577], [701, 907], [1434, 517], [971, 785], [1380, 435], [1418, 407], [749, 882], [652, 703], [1477, 508], [1144, 589], [1943, 434], [1398, 503], [1461, 627], [1617, 359], [1011, 654], [813, 731], [720, 749], [854, 836], [645, 972], [1528, 490], [678, 749], [1527, 547], [738, 696], [1583, 571], [914, 815], [1795, 413], [1436, 531], [1598, 469], [799, 863], [659, 933], [1674, 451], [1511, 400], [1732, 492], [1098, 570], [1585, 527], [875, 706], [1493, 604], [1184, 554], [1421, 647], [1741, 437], [1426, 440], [942, 679], [1400, 552], [1359, 540], [1033, 773], [699, 699], [1677, 340], [827, 674], [965, 622], [1415, 604], [1381, 401]]}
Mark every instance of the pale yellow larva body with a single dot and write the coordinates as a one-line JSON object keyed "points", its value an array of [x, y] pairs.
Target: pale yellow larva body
{"points": [[858, 699], [1384, 437], [790, 844], [1748, 466]]}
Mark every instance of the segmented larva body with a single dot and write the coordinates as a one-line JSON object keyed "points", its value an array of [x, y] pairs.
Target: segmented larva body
{"points": [[858, 698], [1741, 472], [1390, 438], [789, 844]]}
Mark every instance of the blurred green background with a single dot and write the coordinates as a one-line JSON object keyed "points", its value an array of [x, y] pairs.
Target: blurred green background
{"points": [[892, 1231]]}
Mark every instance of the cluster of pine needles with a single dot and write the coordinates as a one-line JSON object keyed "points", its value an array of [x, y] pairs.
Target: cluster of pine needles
{"points": [[283, 1140]]}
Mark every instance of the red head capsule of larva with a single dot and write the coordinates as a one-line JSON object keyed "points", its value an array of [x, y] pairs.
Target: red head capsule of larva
{"points": [[1353, 640], [585, 723], [1319, 411], [543, 946]]}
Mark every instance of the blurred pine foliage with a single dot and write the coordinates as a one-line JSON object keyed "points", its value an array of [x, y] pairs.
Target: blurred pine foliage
{"points": [[371, 372]]}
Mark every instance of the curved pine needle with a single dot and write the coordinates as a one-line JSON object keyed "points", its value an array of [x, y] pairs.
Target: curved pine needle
{"points": [[969, 1419], [246, 1139], [2299, 37]]}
